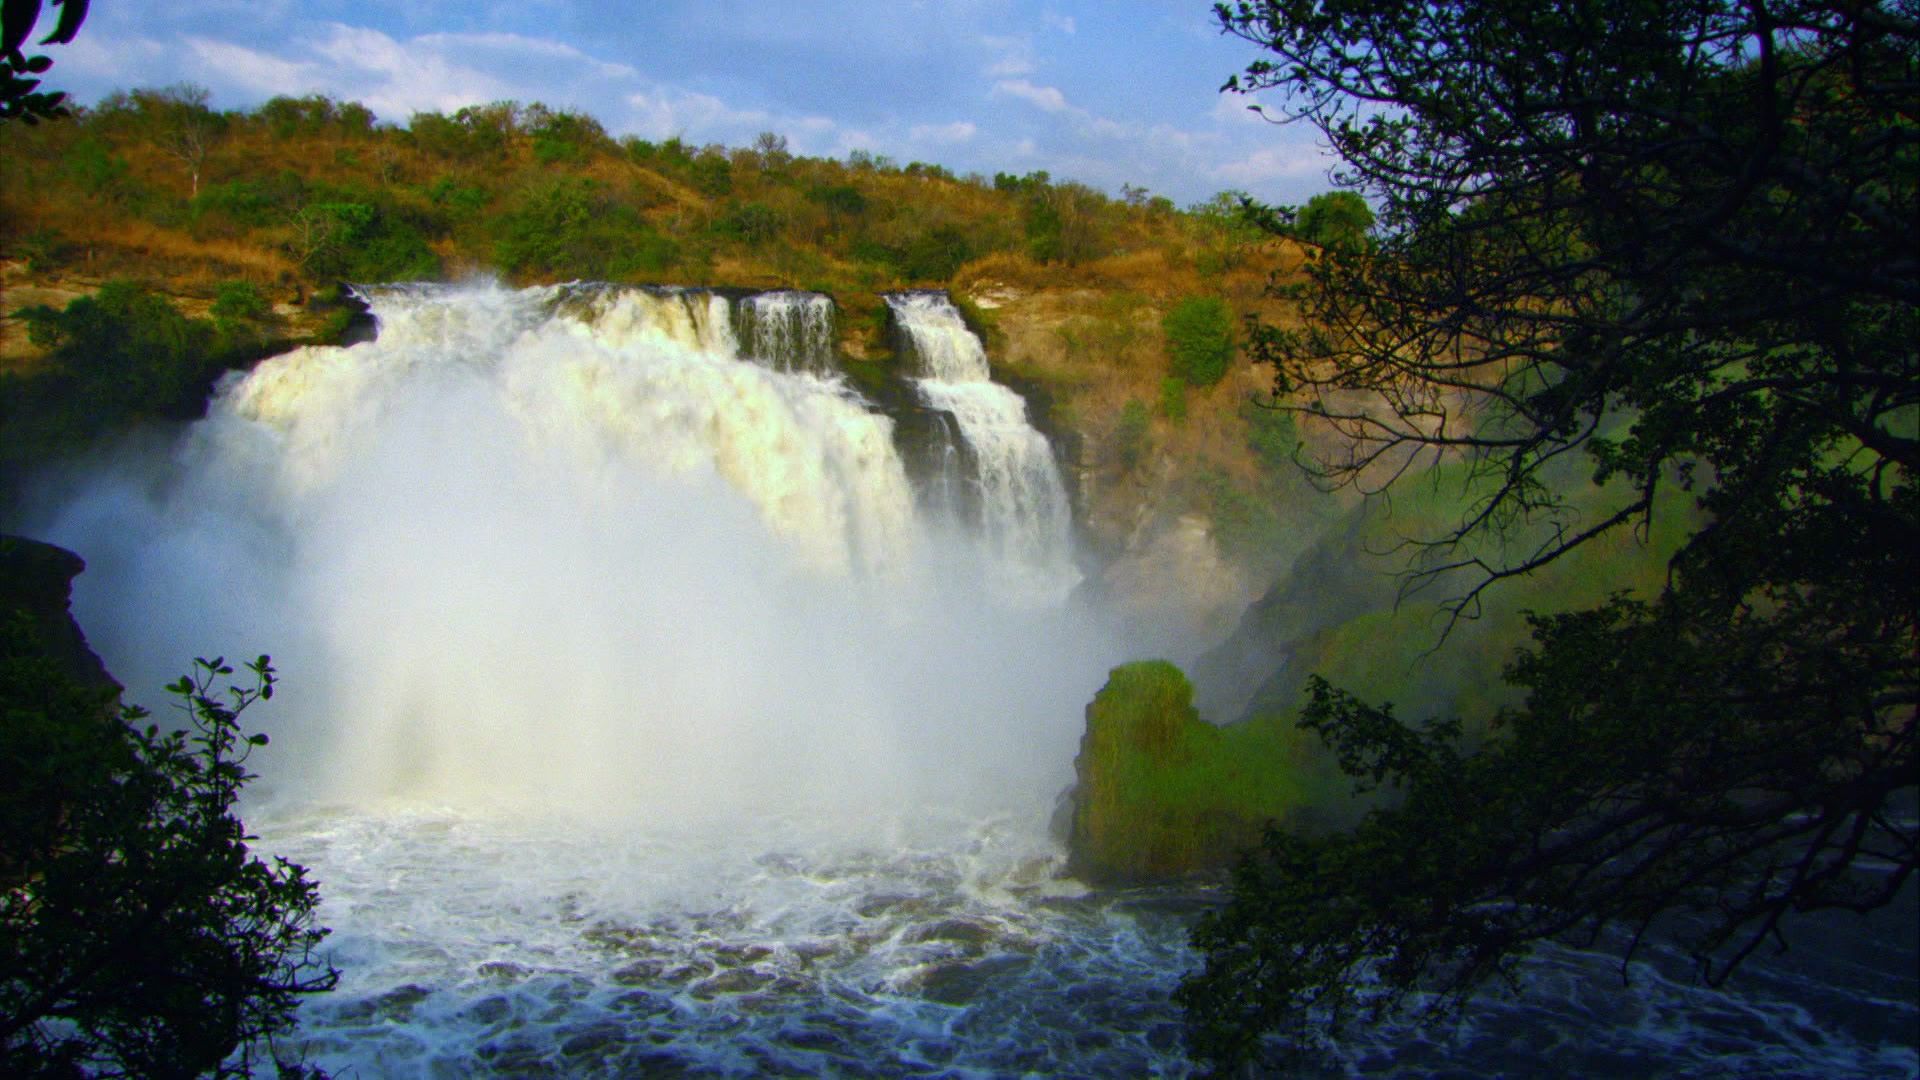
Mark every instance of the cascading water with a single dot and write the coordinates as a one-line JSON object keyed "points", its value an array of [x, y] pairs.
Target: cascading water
{"points": [[1024, 511], [793, 330], [632, 723]]}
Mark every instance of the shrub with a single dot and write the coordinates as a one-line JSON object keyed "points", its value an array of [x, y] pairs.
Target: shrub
{"points": [[568, 227], [1271, 436], [1200, 343], [127, 352], [242, 317], [1173, 399], [1133, 435]]}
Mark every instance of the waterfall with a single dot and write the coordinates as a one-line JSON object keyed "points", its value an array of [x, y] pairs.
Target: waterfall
{"points": [[1025, 517], [790, 330], [565, 547]]}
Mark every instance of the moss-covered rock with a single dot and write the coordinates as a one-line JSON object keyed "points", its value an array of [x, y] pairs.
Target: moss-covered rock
{"points": [[1160, 793]]}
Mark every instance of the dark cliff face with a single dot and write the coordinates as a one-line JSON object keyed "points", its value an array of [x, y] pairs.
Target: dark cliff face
{"points": [[36, 584]]}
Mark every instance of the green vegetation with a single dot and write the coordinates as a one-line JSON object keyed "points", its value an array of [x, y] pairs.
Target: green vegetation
{"points": [[1730, 333], [1173, 399], [312, 190], [1335, 219], [139, 936], [1200, 341], [1160, 792], [124, 355]]}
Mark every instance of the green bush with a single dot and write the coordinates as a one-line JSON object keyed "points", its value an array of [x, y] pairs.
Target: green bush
{"points": [[1335, 219], [355, 240], [242, 316], [1133, 435], [750, 223], [1200, 341], [569, 227], [1271, 436], [92, 167], [1173, 399], [126, 352]]}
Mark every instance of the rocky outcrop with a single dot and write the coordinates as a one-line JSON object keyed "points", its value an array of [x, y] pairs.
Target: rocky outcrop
{"points": [[1161, 794], [36, 587]]}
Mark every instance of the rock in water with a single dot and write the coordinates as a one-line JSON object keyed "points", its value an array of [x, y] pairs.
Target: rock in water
{"points": [[1160, 794]]}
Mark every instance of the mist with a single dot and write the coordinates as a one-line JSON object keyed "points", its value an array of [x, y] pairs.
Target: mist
{"points": [[549, 557]]}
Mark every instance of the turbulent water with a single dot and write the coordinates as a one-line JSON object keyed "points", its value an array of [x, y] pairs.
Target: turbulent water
{"points": [[638, 717]]}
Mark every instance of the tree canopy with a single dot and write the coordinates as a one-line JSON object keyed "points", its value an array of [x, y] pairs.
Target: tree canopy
{"points": [[1664, 249]]}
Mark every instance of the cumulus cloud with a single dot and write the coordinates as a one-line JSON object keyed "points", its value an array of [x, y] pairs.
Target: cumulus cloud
{"points": [[957, 132], [1273, 163], [1046, 98]]}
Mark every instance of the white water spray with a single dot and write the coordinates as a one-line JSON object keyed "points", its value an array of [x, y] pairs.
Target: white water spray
{"points": [[562, 548]]}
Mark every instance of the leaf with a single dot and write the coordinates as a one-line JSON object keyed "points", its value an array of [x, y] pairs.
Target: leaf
{"points": [[72, 14], [16, 22]]}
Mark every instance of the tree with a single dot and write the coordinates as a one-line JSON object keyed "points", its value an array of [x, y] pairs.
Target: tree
{"points": [[181, 125], [1335, 219], [139, 936], [20, 95], [1674, 240]]}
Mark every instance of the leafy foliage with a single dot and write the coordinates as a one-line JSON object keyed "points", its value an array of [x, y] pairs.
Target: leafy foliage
{"points": [[130, 350], [122, 356], [138, 934], [20, 95], [1200, 340], [1335, 219], [567, 228], [1668, 238]]}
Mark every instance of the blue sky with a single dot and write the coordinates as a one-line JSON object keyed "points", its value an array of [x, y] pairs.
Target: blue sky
{"points": [[1102, 92]]}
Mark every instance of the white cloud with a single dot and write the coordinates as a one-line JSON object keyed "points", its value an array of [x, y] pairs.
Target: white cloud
{"points": [[957, 132], [1274, 163], [1062, 23], [1046, 98], [526, 46]]}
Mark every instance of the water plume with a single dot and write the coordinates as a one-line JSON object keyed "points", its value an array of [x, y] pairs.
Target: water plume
{"points": [[566, 549]]}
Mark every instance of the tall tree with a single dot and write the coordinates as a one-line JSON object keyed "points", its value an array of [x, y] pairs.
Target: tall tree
{"points": [[1676, 238], [179, 122]]}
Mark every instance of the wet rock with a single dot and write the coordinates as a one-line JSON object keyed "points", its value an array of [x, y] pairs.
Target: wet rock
{"points": [[958, 931], [892, 904], [503, 971], [737, 955], [962, 984], [396, 1004], [488, 1010], [639, 973], [734, 981], [596, 1040]]}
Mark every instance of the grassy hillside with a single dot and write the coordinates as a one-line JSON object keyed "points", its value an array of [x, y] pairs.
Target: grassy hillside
{"points": [[1072, 289]]}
